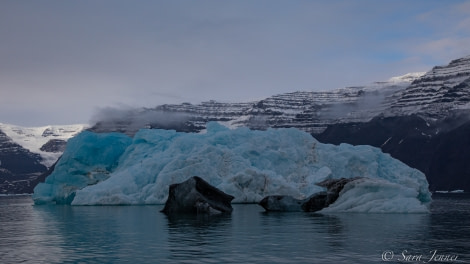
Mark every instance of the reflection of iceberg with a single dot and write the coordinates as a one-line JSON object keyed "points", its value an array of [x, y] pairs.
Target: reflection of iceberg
{"points": [[112, 169]]}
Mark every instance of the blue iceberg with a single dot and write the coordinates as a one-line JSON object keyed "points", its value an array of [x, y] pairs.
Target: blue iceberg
{"points": [[105, 169], [88, 159]]}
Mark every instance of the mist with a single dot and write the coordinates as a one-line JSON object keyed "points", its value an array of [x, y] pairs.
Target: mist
{"points": [[129, 120], [363, 106]]}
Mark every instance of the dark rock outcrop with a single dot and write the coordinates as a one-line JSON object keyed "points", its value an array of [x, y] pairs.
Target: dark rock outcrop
{"points": [[196, 196], [54, 145], [18, 167], [315, 202]]}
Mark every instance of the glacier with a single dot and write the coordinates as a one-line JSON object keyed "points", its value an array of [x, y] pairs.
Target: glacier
{"points": [[34, 138], [114, 169]]}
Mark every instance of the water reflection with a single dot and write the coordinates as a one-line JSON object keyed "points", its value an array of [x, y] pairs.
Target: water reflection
{"points": [[102, 234], [23, 231], [348, 238], [333, 229], [141, 234], [369, 235], [197, 238], [455, 239]]}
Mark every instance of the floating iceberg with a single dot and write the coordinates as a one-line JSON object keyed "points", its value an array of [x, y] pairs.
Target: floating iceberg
{"points": [[99, 169], [88, 159]]}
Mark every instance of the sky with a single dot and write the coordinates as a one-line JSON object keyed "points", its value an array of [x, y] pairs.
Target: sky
{"points": [[61, 62]]}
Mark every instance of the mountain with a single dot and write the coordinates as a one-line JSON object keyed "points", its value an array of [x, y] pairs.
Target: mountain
{"points": [[437, 94], [27, 152], [433, 95], [427, 126], [309, 111], [441, 154], [421, 119]]}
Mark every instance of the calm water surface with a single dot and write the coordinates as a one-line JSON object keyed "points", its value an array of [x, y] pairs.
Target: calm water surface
{"points": [[141, 234]]}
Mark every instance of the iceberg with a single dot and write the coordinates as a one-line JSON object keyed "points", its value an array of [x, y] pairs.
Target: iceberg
{"points": [[113, 169], [88, 159]]}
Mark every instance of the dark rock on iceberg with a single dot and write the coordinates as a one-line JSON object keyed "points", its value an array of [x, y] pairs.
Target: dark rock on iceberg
{"points": [[281, 203], [315, 202], [318, 201], [196, 196]]}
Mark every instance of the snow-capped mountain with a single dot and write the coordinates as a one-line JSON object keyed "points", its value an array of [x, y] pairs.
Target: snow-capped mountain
{"points": [[419, 118], [433, 95], [311, 111], [437, 93], [47, 141], [426, 126], [27, 152]]}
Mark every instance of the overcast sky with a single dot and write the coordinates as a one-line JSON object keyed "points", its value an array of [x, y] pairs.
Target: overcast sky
{"points": [[61, 61]]}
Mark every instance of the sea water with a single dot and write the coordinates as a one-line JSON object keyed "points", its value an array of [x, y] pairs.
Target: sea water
{"points": [[141, 234]]}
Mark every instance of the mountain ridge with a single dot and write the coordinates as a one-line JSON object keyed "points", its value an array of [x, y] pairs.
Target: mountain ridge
{"points": [[310, 111], [438, 92]]}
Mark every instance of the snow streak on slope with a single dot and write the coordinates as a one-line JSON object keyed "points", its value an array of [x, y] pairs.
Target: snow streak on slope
{"points": [[409, 77], [34, 138], [437, 93], [309, 111]]}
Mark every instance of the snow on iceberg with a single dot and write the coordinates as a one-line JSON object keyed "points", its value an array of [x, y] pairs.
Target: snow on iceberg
{"points": [[246, 164]]}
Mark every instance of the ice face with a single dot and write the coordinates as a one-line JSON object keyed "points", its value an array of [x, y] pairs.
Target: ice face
{"points": [[246, 164], [89, 158], [374, 195]]}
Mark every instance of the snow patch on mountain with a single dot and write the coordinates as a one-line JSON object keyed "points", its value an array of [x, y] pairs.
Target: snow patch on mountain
{"points": [[409, 77]]}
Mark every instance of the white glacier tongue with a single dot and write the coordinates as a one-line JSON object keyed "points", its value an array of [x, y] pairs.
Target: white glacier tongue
{"points": [[99, 169], [34, 138]]}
